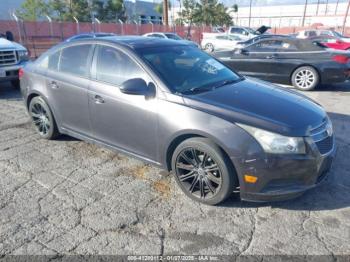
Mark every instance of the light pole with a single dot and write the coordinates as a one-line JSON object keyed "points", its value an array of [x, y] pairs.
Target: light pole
{"points": [[250, 12], [318, 5], [303, 21], [345, 17], [336, 7], [165, 12]]}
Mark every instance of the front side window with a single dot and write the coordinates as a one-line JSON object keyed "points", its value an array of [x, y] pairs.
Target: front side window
{"points": [[74, 60], [115, 67], [185, 68]]}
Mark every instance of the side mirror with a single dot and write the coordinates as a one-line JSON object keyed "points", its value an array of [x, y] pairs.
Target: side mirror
{"points": [[338, 41], [137, 86]]}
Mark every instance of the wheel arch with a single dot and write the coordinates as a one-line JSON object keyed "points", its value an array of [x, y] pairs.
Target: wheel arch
{"points": [[35, 94], [179, 138]]}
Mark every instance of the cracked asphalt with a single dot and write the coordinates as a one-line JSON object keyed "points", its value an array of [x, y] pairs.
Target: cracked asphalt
{"points": [[70, 197]]}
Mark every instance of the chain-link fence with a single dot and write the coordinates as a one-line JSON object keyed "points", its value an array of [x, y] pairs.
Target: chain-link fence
{"points": [[40, 36]]}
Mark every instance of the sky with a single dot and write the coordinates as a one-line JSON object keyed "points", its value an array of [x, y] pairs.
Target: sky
{"points": [[6, 5]]}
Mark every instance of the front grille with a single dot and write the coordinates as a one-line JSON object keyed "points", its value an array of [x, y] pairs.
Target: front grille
{"points": [[325, 145], [323, 137], [8, 57]]}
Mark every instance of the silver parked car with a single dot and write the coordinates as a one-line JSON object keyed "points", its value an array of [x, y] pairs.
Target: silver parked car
{"points": [[176, 107]]}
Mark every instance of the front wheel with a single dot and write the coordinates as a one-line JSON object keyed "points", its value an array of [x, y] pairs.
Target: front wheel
{"points": [[42, 118], [305, 78], [209, 47], [203, 171]]}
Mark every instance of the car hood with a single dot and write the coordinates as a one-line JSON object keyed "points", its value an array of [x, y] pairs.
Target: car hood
{"points": [[263, 105], [188, 42], [6, 44]]}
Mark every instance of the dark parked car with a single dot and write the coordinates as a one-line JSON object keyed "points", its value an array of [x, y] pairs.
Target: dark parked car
{"points": [[176, 107], [299, 62]]}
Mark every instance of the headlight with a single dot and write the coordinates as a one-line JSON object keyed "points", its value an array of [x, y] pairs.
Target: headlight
{"points": [[275, 143], [22, 55]]}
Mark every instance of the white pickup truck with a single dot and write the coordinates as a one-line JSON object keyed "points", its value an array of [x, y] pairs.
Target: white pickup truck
{"points": [[13, 56]]}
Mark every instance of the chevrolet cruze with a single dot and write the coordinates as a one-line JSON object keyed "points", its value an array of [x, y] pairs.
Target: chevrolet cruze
{"points": [[176, 107]]}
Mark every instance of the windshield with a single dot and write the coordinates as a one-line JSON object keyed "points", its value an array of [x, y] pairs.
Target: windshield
{"points": [[251, 31], [187, 69], [338, 34], [173, 36]]}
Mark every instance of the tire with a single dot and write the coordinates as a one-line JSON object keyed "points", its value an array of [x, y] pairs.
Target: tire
{"points": [[209, 47], [15, 83], [305, 78], [192, 171], [43, 119]]}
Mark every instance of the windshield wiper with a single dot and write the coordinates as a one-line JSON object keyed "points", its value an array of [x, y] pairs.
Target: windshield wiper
{"points": [[210, 87], [225, 82]]}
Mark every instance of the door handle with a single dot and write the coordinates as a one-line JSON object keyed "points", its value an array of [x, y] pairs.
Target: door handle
{"points": [[270, 57], [54, 85], [98, 99]]}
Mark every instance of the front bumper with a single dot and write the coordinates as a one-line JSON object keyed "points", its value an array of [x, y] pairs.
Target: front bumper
{"points": [[284, 177], [11, 72]]}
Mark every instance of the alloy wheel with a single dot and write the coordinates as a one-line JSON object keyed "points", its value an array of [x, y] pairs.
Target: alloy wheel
{"points": [[305, 78], [209, 47], [40, 119], [198, 173]]}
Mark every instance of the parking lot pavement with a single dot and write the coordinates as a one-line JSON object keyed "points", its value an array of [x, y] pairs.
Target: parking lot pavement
{"points": [[71, 197]]}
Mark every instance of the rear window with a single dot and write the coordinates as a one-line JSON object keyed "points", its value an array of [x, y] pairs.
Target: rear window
{"points": [[74, 60]]}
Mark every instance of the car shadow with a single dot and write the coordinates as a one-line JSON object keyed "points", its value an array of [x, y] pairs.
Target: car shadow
{"points": [[8, 92], [331, 194]]}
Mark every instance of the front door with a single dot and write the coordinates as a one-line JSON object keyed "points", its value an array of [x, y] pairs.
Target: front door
{"points": [[125, 121]]}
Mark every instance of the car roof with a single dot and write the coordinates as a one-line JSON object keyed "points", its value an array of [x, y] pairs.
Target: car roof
{"points": [[302, 44], [133, 42]]}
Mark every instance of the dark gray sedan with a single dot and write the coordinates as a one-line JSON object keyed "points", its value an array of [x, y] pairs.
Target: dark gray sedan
{"points": [[176, 107]]}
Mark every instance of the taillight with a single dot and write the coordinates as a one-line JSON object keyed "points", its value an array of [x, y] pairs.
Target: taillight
{"points": [[341, 59], [20, 73]]}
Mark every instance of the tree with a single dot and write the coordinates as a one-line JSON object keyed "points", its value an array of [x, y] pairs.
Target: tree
{"points": [[115, 10], [58, 10], [32, 10], [211, 12], [159, 8], [208, 12], [189, 12]]}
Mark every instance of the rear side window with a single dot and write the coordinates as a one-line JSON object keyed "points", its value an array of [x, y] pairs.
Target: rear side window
{"points": [[53, 61], [74, 60], [115, 67]]}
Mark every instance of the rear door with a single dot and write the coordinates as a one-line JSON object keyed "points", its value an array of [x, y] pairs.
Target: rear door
{"points": [[68, 83]]}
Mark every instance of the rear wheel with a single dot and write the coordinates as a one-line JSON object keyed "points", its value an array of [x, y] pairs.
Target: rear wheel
{"points": [[203, 171], [305, 78], [42, 118], [209, 47]]}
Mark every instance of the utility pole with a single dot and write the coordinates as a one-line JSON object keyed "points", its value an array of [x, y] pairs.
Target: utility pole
{"points": [[303, 21], [345, 17], [318, 5], [336, 7], [325, 11], [250, 12], [165, 12]]}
